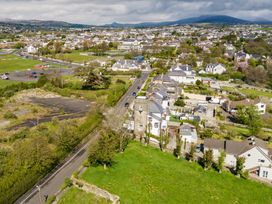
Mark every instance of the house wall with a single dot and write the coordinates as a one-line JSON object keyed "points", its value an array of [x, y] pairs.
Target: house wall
{"points": [[265, 172], [184, 79], [230, 160], [155, 127], [140, 116], [254, 157]]}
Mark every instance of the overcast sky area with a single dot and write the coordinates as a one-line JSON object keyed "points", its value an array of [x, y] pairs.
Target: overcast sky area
{"points": [[97, 12]]}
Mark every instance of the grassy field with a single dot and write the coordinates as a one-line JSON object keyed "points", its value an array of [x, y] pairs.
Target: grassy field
{"points": [[10, 63], [75, 195], [76, 57], [249, 92], [146, 175], [252, 92], [4, 83]]}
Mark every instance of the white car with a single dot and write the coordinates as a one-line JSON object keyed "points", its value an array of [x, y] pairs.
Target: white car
{"points": [[4, 77]]}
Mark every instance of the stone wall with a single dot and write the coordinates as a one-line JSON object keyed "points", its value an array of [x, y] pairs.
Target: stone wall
{"points": [[95, 190]]}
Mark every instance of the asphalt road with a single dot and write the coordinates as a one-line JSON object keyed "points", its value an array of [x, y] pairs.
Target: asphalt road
{"points": [[54, 180]]}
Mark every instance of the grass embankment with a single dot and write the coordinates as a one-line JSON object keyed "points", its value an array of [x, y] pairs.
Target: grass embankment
{"points": [[146, 175], [75, 195], [11, 63]]}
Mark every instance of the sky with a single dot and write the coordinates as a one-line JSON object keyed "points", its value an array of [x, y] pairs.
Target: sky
{"points": [[98, 12]]}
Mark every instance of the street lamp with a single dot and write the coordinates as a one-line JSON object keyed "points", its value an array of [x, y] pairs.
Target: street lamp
{"points": [[39, 190]]}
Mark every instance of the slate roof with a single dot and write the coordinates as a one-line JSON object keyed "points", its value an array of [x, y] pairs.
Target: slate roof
{"points": [[234, 147]]}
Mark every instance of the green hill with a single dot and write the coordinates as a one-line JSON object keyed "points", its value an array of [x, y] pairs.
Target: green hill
{"points": [[146, 175]]}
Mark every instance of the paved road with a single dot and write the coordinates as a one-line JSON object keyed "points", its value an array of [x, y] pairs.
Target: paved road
{"points": [[51, 185]]}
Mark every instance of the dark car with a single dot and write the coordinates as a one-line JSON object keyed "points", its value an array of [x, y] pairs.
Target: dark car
{"points": [[134, 94], [138, 88], [33, 73], [126, 105]]}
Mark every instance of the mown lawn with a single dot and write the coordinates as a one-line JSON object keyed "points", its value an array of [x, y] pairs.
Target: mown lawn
{"points": [[146, 175], [10, 63], [75, 56], [77, 196], [252, 92], [4, 83]]}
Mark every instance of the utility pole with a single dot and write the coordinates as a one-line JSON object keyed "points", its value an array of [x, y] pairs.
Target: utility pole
{"points": [[39, 190]]}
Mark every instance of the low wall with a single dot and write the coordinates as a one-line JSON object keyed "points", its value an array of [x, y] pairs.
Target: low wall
{"points": [[95, 190]]}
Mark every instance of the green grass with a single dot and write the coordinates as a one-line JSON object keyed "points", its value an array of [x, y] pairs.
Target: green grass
{"points": [[76, 57], [252, 92], [4, 83], [10, 63], [241, 132], [75, 195], [146, 175]]}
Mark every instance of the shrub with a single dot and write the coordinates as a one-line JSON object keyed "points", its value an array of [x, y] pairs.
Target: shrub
{"points": [[10, 115]]}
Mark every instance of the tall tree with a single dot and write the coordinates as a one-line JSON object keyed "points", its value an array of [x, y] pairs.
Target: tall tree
{"points": [[239, 166], [250, 117], [208, 159], [191, 155], [177, 150], [103, 152], [221, 160]]}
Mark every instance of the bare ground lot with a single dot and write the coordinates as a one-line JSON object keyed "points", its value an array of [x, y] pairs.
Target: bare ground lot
{"points": [[58, 107]]}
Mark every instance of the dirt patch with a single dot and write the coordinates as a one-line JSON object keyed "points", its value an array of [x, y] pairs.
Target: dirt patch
{"points": [[66, 105], [4, 123]]}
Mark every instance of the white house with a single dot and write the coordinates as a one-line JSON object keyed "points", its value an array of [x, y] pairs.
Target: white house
{"points": [[188, 133], [183, 74], [128, 65], [257, 155], [215, 69], [31, 49], [232, 106]]}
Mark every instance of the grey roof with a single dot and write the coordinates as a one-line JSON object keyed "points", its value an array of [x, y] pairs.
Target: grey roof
{"points": [[188, 130], [154, 107], [175, 73], [234, 147]]}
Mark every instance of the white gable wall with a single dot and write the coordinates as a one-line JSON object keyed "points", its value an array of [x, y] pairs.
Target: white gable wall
{"points": [[254, 157]]}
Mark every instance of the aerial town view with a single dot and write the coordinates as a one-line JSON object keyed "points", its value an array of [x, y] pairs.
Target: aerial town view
{"points": [[136, 102]]}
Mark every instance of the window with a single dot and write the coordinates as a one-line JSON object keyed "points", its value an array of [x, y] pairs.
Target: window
{"points": [[156, 125], [261, 160], [265, 174], [248, 155]]}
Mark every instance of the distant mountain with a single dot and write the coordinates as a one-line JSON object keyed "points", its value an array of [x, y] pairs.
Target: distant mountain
{"points": [[217, 19], [42, 24]]}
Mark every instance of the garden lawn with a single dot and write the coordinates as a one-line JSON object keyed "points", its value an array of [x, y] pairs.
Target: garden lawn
{"points": [[75, 56], [257, 93], [4, 83], [146, 175], [11, 63], [77, 196]]}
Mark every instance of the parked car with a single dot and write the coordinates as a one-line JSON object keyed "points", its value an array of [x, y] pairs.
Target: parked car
{"points": [[134, 94], [4, 77], [127, 105]]}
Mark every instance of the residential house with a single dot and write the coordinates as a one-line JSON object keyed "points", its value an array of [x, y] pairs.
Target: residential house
{"points": [[149, 115], [257, 155], [188, 133], [183, 74], [215, 68], [129, 65], [232, 106]]}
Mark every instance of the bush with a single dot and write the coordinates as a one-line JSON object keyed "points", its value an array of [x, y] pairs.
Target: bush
{"points": [[10, 115], [51, 199]]}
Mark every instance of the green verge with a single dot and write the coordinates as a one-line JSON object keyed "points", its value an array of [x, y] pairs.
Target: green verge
{"points": [[147, 175], [75, 195], [11, 63]]}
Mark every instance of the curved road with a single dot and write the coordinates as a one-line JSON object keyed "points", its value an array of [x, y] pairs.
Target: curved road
{"points": [[51, 184]]}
